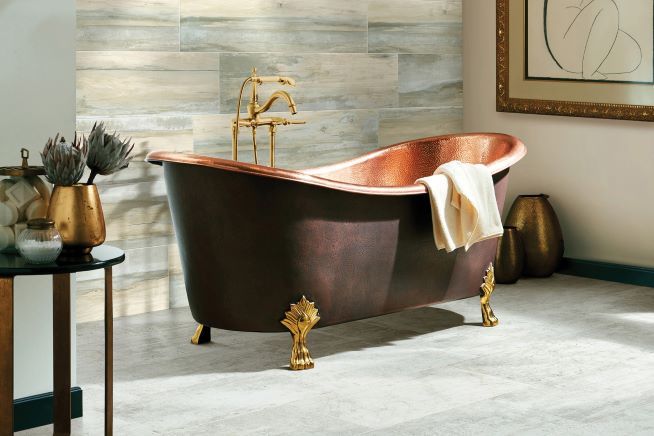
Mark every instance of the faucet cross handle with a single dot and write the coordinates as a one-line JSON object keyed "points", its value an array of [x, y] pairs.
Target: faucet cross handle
{"points": [[275, 79]]}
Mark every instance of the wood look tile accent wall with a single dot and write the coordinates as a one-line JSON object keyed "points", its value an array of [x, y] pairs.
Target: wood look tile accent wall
{"points": [[128, 25], [324, 81], [166, 72], [415, 26], [289, 26]]}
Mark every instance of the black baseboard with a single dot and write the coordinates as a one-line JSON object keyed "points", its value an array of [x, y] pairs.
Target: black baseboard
{"points": [[633, 275], [35, 411]]}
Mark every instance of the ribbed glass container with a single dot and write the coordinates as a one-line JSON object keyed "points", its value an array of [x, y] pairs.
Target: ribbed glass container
{"points": [[40, 242]]}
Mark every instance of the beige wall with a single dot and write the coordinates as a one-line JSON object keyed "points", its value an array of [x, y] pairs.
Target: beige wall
{"points": [[166, 72], [599, 173], [37, 99]]}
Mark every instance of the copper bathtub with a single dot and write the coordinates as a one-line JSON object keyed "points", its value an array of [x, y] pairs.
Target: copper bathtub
{"points": [[354, 237]]}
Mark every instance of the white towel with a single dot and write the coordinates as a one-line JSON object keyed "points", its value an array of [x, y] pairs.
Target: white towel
{"points": [[463, 205]]}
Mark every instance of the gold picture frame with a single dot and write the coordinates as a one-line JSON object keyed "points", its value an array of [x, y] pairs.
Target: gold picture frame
{"points": [[577, 98]]}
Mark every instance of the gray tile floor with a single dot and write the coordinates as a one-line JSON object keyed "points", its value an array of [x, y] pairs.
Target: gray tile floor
{"points": [[570, 356]]}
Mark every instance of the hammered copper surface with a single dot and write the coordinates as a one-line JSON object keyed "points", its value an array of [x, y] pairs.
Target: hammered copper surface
{"points": [[541, 234], [510, 256], [78, 216], [355, 237]]}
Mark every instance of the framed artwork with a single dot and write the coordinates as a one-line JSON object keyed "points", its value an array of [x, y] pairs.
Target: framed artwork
{"points": [[586, 58]]}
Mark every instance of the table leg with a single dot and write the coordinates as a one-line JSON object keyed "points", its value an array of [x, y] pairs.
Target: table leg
{"points": [[61, 353], [108, 353], [6, 356]]}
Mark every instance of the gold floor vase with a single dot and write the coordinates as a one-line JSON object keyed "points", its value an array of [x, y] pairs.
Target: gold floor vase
{"points": [[541, 234], [510, 256], [78, 216]]}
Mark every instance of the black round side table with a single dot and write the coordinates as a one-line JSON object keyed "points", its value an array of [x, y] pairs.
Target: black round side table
{"points": [[11, 266]]}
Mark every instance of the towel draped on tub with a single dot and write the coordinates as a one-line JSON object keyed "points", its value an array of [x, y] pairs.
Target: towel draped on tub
{"points": [[463, 205]]}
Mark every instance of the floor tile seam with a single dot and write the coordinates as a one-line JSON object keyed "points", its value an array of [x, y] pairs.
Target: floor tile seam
{"points": [[223, 420], [524, 384], [448, 410]]}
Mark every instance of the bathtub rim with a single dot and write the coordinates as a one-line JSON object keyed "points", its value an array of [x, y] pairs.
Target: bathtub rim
{"points": [[309, 176]]}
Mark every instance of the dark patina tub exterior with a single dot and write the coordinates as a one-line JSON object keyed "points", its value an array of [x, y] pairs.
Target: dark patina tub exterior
{"points": [[354, 237]]}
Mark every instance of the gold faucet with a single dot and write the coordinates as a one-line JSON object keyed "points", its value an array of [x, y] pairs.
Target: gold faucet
{"points": [[254, 119], [275, 95]]}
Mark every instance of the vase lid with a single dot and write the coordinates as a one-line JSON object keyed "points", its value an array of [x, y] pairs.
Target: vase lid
{"points": [[25, 169]]}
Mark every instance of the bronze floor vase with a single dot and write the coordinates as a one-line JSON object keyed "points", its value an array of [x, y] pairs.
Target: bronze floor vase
{"points": [[355, 237], [540, 231]]}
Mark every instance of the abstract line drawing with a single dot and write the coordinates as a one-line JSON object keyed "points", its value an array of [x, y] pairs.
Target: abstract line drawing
{"points": [[536, 76], [584, 37]]}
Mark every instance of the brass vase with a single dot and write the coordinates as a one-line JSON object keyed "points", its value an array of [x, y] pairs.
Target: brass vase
{"points": [[541, 234], [510, 256], [77, 213]]}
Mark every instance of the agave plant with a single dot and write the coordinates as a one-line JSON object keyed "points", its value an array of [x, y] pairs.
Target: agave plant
{"points": [[64, 163], [107, 153]]}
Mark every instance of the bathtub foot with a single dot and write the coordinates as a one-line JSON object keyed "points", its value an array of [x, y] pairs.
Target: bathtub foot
{"points": [[299, 320], [487, 288], [202, 335]]}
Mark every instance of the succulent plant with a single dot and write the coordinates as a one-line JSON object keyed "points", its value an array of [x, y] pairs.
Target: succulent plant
{"points": [[64, 163], [107, 153]]}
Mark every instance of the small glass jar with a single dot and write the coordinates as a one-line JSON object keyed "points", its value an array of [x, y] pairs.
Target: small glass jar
{"points": [[40, 242]]}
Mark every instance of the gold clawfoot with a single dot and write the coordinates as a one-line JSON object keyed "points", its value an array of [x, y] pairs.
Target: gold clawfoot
{"points": [[487, 288], [202, 335], [299, 320]]}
